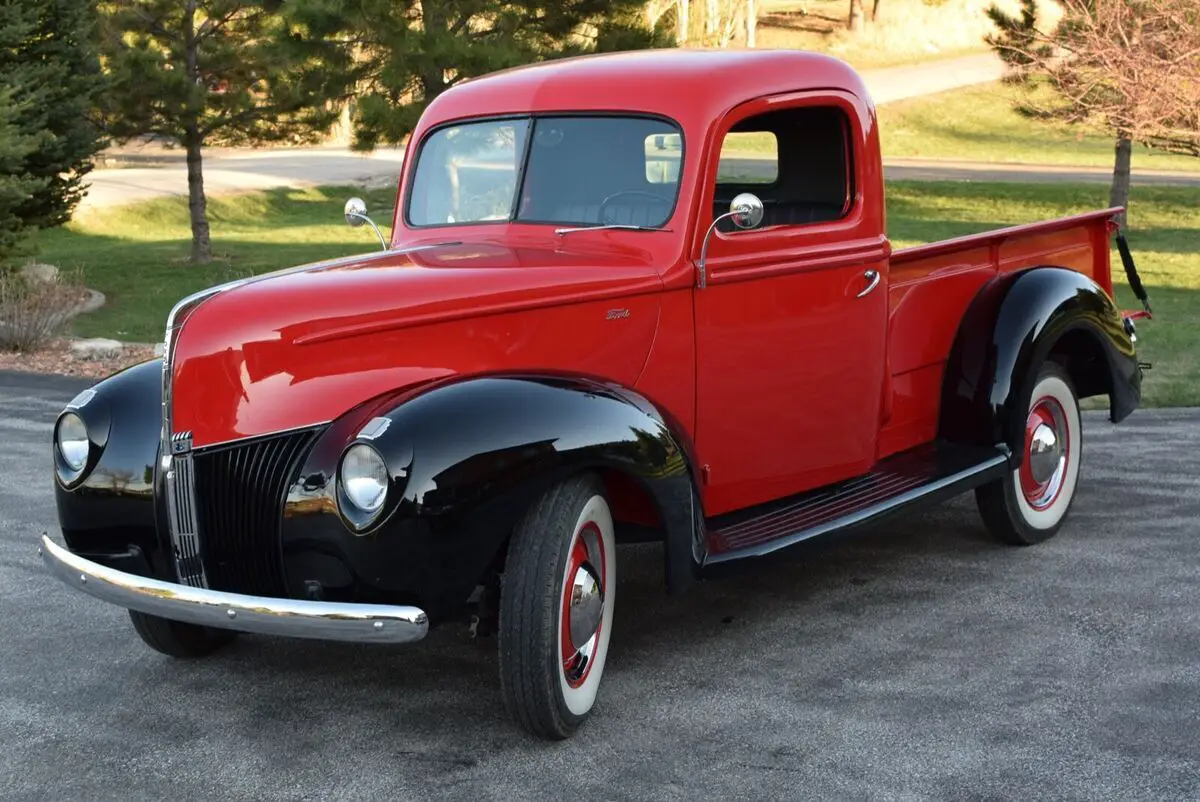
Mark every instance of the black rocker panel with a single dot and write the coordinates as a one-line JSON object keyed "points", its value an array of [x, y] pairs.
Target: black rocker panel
{"points": [[929, 473]]}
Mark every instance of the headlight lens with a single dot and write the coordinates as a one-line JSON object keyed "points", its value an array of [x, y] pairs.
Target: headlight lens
{"points": [[364, 478], [73, 442]]}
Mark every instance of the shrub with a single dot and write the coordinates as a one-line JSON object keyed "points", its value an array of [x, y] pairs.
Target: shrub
{"points": [[32, 311]]}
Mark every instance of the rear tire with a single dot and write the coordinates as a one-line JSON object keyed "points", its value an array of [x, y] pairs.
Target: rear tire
{"points": [[556, 607], [177, 639], [1030, 504]]}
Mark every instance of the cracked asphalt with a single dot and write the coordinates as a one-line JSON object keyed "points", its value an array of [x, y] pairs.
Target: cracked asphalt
{"points": [[918, 661]]}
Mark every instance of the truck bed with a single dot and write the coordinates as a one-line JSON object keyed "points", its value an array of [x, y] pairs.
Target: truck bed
{"points": [[930, 287]]}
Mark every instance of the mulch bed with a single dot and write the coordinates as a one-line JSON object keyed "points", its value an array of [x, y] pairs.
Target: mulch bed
{"points": [[56, 357]]}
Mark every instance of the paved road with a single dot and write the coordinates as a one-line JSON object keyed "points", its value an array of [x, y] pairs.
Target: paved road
{"points": [[919, 662]]}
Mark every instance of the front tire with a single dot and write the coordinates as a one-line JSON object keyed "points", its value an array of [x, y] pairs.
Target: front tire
{"points": [[556, 608], [177, 639], [1030, 504]]}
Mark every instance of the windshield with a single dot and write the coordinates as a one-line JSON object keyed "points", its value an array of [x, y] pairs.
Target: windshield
{"points": [[561, 170]]}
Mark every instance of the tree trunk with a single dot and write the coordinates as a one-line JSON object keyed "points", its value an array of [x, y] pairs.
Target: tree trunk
{"points": [[192, 142], [1119, 195], [855, 22], [197, 204], [751, 23], [875, 11], [683, 21]]}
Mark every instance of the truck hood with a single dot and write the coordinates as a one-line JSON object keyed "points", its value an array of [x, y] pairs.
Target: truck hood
{"points": [[302, 346]]}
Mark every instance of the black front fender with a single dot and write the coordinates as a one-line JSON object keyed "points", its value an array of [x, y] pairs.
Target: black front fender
{"points": [[1015, 323], [109, 513], [467, 459]]}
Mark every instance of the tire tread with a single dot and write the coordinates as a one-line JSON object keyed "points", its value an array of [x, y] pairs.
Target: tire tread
{"points": [[528, 609]]}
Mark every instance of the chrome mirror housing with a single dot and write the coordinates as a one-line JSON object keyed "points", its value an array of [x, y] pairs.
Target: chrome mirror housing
{"points": [[355, 212], [746, 211]]}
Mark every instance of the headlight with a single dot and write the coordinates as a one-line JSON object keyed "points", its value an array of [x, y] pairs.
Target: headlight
{"points": [[364, 477], [73, 443]]}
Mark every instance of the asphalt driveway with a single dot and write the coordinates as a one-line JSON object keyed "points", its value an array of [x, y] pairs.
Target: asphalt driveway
{"points": [[921, 661]]}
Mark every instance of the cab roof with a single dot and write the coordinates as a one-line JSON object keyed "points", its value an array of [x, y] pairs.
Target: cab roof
{"points": [[684, 84]]}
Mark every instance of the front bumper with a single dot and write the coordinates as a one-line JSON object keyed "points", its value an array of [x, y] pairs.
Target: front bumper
{"points": [[361, 623]]}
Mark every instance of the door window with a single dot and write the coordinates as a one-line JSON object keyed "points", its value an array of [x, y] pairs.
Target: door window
{"points": [[797, 161]]}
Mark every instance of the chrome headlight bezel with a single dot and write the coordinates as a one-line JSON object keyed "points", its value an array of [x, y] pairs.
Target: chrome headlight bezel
{"points": [[72, 441], [95, 422], [371, 468]]}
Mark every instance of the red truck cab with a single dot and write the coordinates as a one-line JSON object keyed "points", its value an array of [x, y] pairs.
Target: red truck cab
{"points": [[644, 295]]}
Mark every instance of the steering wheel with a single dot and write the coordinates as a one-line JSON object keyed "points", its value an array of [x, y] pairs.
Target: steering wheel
{"points": [[630, 192]]}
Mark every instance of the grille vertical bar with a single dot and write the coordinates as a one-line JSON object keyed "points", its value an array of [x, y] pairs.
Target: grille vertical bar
{"points": [[181, 509], [240, 493]]}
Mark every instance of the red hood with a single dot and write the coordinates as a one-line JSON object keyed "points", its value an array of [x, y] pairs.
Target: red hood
{"points": [[302, 347]]}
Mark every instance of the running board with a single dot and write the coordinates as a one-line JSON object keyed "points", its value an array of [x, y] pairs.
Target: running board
{"points": [[924, 475]]}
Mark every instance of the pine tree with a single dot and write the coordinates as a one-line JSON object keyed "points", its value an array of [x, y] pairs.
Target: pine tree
{"points": [[49, 77], [407, 52], [49, 60], [15, 185], [214, 72]]}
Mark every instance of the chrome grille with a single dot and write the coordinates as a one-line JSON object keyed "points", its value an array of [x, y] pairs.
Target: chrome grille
{"points": [[240, 493], [181, 508]]}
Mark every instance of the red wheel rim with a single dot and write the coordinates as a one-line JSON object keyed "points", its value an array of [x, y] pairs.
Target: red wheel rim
{"points": [[587, 556], [1047, 453]]}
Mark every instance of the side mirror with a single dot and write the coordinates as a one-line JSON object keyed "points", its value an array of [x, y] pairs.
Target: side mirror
{"points": [[355, 213], [746, 211]]}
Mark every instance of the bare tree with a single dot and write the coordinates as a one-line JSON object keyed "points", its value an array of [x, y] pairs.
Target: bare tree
{"points": [[1131, 66], [855, 20]]}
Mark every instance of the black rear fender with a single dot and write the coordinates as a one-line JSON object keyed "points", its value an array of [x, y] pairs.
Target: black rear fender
{"points": [[1015, 323]]}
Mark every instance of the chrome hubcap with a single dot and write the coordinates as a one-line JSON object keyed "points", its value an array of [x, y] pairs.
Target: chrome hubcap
{"points": [[586, 607], [583, 604], [1045, 453]]}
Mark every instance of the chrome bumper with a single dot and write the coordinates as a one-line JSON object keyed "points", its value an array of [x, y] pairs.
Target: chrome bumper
{"points": [[363, 623]]}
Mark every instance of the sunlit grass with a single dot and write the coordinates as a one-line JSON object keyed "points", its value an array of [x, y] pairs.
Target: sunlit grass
{"points": [[1164, 234], [980, 124], [137, 255]]}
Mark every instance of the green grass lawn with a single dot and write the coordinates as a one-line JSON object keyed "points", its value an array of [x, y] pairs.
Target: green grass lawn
{"points": [[1164, 234], [980, 124], [137, 254]]}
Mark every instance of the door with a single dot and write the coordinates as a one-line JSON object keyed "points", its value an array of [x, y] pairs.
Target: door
{"points": [[791, 323]]}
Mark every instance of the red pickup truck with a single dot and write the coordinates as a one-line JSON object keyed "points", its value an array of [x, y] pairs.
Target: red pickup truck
{"points": [[625, 297]]}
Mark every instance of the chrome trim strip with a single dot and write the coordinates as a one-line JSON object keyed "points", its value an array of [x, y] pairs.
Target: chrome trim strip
{"points": [[180, 483], [204, 449], [360, 623]]}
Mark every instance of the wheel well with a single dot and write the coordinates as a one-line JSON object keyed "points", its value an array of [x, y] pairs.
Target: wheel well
{"points": [[1082, 357], [634, 509]]}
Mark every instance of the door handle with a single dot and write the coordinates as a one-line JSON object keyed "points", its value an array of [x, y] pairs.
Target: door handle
{"points": [[873, 276]]}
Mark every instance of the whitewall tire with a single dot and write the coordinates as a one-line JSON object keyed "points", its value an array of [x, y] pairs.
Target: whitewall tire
{"points": [[1031, 503], [557, 598]]}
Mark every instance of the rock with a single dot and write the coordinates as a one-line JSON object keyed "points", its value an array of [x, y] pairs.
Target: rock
{"points": [[96, 349], [36, 271], [160, 349]]}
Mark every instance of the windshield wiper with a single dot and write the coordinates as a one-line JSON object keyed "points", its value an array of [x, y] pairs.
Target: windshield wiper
{"points": [[620, 226]]}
